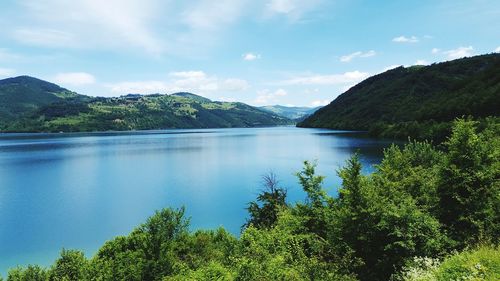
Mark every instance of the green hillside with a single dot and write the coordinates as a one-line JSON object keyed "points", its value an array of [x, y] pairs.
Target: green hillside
{"points": [[33, 105], [416, 101], [23, 94], [291, 112]]}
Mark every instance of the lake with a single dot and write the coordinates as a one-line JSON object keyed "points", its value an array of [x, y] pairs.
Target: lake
{"points": [[79, 190]]}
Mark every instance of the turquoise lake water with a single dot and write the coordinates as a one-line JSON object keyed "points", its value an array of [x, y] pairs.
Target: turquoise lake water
{"points": [[79, 190]]}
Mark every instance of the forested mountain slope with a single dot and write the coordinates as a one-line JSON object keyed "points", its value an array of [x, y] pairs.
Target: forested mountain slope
{"points": [[410, 100], [23, 94]]}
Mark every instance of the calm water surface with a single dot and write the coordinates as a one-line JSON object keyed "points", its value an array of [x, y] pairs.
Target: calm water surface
{"points": [[79, 190]]}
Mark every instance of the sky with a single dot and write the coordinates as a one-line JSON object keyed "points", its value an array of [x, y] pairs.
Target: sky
{"points": [[261, 52]]}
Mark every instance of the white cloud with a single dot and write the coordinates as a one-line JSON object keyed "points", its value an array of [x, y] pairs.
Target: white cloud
{"points": [[311, 91], [227, 99], [435, 51], [192, 74], [211, 15], [7, 72], [151, 27], [89, 24], [293, 9], [280, 93], [250, 56], [459, 52], [330, 79], [139, 87], [45, 37], [191, 81], [497, 50], [266, 97], [404, 39], [368, 54], [348, 58], [421, 62], [281, 6], [234, 85], [316, 103], [146, 27], [6, 55], [74, 78]]}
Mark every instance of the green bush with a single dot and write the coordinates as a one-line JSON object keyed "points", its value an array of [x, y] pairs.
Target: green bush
{"points": [[482, 263]]}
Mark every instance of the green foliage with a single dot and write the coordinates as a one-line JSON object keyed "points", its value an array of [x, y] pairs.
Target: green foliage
{"points": [[469, 184], [203, 247], [405, 221], [210, 271], [412, 170], [351, 193], [421, 130], [482, 263], [418, 102], [272, 199], [30, 273], [284, 252], [311, 183], [383, 227], [314, 212], [147, 253], [71, 265]]}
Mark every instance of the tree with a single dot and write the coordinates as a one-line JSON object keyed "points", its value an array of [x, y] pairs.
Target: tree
{"points": [[71, 265], [264, 211], [351, 194], [314, 212], [148, 252], [30, 273], [414, 170], [312, 184], [382, 230], [469, 184], [286, 251]]}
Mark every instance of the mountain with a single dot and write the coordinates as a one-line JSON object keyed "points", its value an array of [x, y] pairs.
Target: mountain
{"points": [[191, 96], [32, 105], [291, 112], [418, 101], [23, 94]]}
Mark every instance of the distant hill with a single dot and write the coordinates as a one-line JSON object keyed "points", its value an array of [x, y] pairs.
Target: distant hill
{"points": [[23, 94], [418, 101], [291, 112], [28, 104], [191, 96]]}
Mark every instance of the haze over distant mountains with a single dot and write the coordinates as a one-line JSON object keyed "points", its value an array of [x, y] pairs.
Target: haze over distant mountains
{"points": [[29, 104], [291, 112]]}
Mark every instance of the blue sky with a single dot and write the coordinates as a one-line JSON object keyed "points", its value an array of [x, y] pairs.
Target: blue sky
{"points": [[261, 52]]}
